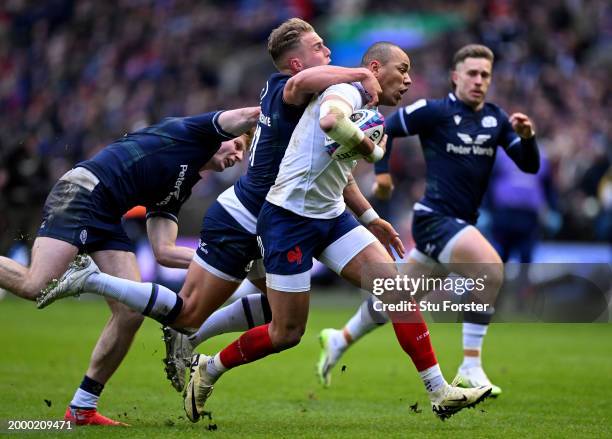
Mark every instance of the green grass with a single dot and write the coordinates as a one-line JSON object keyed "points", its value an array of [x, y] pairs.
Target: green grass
{"points": [[557, 381]]}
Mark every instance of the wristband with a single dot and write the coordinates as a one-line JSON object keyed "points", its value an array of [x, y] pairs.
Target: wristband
{"points": [[368, 216], [375, 155]]}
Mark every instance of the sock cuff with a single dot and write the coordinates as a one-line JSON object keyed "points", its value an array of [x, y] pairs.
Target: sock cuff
{"points": [[246, 307], [218, 363], [91, 386], [475, 328], [174, 312]]}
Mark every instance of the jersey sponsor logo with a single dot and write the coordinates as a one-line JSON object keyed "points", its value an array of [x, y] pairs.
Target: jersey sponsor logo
{"points": [[473, 145], [488, 122], [176, 192], [295, 255]]}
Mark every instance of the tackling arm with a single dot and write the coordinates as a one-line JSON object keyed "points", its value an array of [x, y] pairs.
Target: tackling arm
{"points": [[162, 234], [300, 87], [239, 121]]}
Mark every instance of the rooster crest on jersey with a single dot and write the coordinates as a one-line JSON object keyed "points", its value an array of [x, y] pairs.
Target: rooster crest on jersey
{"points": [[371, 122]]}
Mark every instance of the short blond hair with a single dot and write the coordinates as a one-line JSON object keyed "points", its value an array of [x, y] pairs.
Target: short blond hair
{"points": [[248, 138], [286, 37], [472, 51]]}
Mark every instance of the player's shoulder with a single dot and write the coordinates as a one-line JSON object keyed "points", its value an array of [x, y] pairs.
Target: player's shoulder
{"points": [[352, 92], [425, 106], [274, 83]]}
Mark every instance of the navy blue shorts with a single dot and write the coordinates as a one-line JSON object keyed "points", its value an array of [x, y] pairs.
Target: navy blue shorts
{"points": [[290, 241], [80, 217], [225, 248], [432, 232]]}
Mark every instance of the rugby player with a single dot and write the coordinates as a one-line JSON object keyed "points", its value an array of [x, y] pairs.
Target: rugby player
{"points": [[459, 136], [228, 244], [305, 216], [155, 167]]}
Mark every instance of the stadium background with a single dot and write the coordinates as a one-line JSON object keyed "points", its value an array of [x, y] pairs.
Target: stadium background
{"points": [[74, 75]]}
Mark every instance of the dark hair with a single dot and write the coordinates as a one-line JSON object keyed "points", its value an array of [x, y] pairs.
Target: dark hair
{"points": [[286, 37], [380, 51]]}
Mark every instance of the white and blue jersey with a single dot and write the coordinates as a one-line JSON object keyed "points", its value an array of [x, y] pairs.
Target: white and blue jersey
{"points": [[459, 146], [304, 215], [155, 167]]}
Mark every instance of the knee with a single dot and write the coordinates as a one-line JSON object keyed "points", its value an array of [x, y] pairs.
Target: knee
{"points": [[286, 336], [191, 316]]}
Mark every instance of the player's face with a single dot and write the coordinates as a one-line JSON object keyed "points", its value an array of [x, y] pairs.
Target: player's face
{"points": [[393, 78], [312, 52], [230, 153], [472, 78]]}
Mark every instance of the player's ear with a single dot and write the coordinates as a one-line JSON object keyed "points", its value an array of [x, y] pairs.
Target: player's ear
{"points": [[453, 78], [295, 65], [374, 67]]}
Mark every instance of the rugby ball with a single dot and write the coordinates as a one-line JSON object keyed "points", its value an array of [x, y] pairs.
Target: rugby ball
{"points": [[371, 122]]}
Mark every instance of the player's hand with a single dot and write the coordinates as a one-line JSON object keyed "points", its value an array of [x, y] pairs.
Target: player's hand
{"points": [[522, 125], [373, 89], [383, 142], [383, 186], [388, 236]]}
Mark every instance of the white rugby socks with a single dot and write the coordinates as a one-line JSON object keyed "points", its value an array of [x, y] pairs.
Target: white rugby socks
{"points": [[245, 313]]}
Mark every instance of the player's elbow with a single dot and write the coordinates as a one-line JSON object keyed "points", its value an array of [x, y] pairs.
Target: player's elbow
{"points": [[163, 255], [328, 123]]}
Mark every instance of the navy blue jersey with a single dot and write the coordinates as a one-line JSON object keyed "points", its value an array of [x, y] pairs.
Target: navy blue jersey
{"points": [[276, 124], [157, 166], [459, 145]]}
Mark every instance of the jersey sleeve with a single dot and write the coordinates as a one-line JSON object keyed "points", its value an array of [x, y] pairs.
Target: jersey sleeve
{"points": [[416, 118], [524, 152], [507, 136], [207, 126], [348, 92]]}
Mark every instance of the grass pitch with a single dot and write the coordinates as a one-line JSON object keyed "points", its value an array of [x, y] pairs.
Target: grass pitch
{"points": [[556, 379]]}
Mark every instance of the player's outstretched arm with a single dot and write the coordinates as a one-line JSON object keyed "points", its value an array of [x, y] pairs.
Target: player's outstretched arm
{"points": [[162, 233], [303, 85], [526, 155], [240, 120]]}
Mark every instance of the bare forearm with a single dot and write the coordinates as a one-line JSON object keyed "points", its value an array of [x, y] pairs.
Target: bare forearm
{"points": [[239, 120], [175, 256], [354, 199], [316, 79]]}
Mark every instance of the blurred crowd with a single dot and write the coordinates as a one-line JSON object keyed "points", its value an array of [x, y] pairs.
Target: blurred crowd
{"points": [[76, 74]]}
